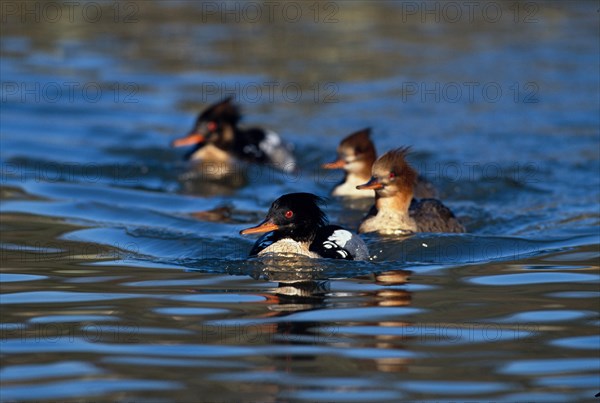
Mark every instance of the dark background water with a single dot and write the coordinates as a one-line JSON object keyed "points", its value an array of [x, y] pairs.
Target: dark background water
{"points": [[112, 289]]}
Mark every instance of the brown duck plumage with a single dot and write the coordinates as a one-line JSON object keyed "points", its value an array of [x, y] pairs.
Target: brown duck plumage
{"points": [[395, 211], [356, 155]]}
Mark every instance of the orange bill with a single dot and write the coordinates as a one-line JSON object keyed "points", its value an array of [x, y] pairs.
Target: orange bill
{"points": [[266, 226], [334, 165], [373, 184], [190, 139]]}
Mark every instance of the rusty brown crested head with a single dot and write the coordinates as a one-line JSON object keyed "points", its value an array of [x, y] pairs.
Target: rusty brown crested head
{"points": [[392, 175], [356, 153]]}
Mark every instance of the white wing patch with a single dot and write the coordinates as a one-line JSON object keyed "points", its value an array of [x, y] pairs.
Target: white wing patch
{"points": [[340, 237], [277, 151], [270, 142], [338, 240]]}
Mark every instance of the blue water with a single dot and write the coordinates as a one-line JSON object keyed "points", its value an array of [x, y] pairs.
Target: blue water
{"points": [[111, 289]]}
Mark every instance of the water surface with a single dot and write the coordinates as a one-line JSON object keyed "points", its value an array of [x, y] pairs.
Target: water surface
{"points": [[112, 289]]}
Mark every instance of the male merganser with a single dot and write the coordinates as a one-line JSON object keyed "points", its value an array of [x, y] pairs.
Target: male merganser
{"points": [[217, 139], [356, 155], [296, 224], [395, 212]]}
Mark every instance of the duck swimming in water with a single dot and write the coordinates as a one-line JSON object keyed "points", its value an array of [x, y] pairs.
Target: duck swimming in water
{"points": [[296, 224], [356, 155], [218, 139], [395, 211]]}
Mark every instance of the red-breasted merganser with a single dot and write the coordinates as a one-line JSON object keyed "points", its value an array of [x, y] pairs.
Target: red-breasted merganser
{"points": [[218, 139], [296, 224], [395, 212], [356, 155]]}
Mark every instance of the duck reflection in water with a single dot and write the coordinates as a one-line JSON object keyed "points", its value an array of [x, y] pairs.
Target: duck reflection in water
{"points": [[302, 294]]}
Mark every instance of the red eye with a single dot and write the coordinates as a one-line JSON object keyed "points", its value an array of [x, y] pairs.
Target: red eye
{"points": [[289, 214], [392, 176], [211, 126]]}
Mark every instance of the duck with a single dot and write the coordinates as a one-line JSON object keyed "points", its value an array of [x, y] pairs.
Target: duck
{"points": [[356, 155], [296, 224], [395, 211], [218, 139]]}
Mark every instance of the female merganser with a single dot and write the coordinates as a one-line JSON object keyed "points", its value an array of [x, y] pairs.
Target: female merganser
{"points": [[395, 212], [217, 139], [356, 155], [296, 224]]}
